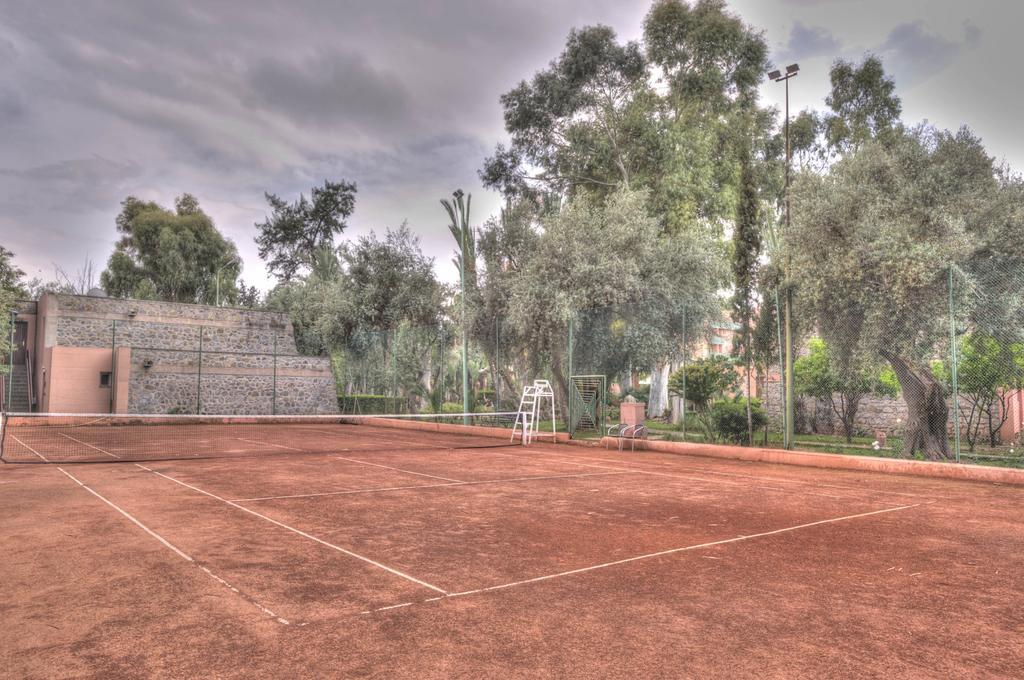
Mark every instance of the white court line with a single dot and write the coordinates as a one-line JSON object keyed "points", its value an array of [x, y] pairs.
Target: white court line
{"points": [[89, 445], [353, 460], [279, 446], [426, 486], [311, 537], [383, 438], [175, 549], [30, 448], [388, 467], [661, 553]]}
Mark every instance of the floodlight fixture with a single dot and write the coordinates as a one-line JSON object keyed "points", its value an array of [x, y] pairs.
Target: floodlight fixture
{"points": [[774, 75], [792, 68]]}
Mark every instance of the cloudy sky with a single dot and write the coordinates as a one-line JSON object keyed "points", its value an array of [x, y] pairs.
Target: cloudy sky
{"points": [[228, 99]]}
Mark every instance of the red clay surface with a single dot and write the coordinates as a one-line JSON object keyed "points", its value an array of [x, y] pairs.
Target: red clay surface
{"points": [[403, 558]]}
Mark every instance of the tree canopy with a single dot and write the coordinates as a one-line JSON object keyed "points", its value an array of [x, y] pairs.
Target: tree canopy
{"points": [[170, 255], [872, 245], [294, 232]]}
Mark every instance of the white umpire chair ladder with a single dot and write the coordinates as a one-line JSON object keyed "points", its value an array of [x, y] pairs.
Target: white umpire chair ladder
{"points": [[534, 397]]}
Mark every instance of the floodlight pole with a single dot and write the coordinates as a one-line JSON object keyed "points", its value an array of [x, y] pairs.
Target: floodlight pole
{"points": [[790, 430], [10, 365], [465, 331]]}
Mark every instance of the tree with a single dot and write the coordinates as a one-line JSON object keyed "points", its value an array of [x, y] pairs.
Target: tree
{"points": [[612, 255], [165, 255], [11, 289], [864, 105], [575, 121], [288, 239], [701, 383], [10, 274], [746, 249], [872, 245], [840, 383], [989, 371]]}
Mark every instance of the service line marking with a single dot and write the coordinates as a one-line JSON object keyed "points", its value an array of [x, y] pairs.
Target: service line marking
{"points": [[299, 532], [661, 553], [388, 467], [180, 553], [429, 486], [95, 448], [30, 449]]}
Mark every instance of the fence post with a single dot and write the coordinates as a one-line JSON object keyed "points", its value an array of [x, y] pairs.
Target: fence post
{"points": [[683, 397], [568, 381], [113, 362], [273, 384], [497, 362], [953, 369], [782, 374], [199, 375], [10, 364]]}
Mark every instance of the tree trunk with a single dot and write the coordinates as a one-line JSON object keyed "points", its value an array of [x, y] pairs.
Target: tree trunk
{"points": [[658, 400], [926, 407]]}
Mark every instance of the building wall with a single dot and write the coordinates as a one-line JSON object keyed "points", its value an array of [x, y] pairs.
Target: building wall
{"points": [[185, 358], [75, 380]]}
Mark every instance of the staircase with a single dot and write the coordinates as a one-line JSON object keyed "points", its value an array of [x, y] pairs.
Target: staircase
{"points": [[19, 402]]}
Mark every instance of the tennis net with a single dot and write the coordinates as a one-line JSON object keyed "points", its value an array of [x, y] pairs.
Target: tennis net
{"points": [[82, 438]]}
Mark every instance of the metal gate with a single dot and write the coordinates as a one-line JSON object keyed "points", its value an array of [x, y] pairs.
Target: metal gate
{"points": [[586, 403]]}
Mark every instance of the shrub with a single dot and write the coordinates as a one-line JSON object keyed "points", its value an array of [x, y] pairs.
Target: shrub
{"points": [[729, 418]]}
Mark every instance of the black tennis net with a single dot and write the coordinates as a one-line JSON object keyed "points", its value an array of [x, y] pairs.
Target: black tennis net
{"points": [[74, 438]]}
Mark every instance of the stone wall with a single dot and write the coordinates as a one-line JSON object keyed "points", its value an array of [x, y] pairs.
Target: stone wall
{"points": [[873, 413], [188, 358]]}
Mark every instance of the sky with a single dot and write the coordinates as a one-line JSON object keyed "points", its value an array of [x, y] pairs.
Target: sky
{"points": [[100, 100]]}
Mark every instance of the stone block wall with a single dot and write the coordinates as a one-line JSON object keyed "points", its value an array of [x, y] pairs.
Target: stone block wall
{"points": [[873, 413], [188, 357]]}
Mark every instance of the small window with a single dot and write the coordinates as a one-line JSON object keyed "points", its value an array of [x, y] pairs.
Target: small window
{"points": [[105, 379]]}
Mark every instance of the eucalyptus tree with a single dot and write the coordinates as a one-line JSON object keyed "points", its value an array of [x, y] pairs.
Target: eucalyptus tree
{"points": [[169, 255]]}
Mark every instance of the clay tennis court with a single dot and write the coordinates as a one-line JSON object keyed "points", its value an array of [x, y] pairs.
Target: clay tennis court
{"points": [[403, 553]]}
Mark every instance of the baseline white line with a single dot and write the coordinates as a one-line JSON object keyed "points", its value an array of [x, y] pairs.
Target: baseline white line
{"points": [[426, 486], [661, 553], [30, 449], [388, 467], [672, 551], [311, 537], [175, 549], [89, 445]]}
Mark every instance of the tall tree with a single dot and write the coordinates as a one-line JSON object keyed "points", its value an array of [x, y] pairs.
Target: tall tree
{"points": [[575, 122], [746, 249], [291, 235], [872, 245], [864, 105], [165, 255]]}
